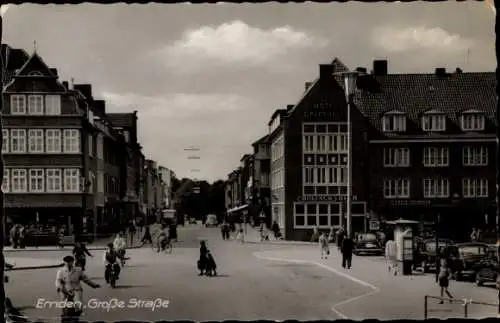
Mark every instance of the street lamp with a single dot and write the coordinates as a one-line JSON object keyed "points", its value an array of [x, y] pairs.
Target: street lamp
{"points": [[349, 87]]}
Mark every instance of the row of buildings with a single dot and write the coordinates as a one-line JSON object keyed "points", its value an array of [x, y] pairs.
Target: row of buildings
{"points": [[67, 161], [424, 148]]}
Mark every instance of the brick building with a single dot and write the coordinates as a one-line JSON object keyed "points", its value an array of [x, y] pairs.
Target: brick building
{"points": [[66, 161], [427, 141], [261, 192]]}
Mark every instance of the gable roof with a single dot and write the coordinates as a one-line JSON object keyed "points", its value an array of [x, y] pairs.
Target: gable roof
{"points": [[338, 67], [13, 59], [35, 63], [260, 140], [415, 94]]}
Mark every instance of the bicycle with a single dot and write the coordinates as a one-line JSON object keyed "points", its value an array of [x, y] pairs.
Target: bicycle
{"points": [[156, 247]]}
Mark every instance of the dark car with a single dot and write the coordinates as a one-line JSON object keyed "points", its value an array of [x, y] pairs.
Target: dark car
{"points": [[368, 244], [466, 259], [426, 253], [487, 269]]}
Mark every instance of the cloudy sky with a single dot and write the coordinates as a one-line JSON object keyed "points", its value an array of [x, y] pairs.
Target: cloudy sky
{"points": [[211, 75]]}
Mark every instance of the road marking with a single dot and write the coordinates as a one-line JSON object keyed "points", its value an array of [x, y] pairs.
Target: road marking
{"points": [[374, 289]]}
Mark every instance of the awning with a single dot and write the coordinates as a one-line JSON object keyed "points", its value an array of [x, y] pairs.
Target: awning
{"points": [[238, 208]]}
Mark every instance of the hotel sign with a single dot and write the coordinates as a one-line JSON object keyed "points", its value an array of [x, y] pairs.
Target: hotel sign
{"points": [[410, 203], [325, 198], [320, 110]]}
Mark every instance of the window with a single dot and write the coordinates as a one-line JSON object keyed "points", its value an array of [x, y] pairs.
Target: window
{"points": [[36, 180], [337, 175], [54, 180], [436, 188], [53, 141], [436, 157], [308, 175], [91, 145], [322, 215], [475, 156], [71, 141], [474, 187], [18, 177], [35, 104], [397, 188], [35, 73], [320, 175], [35, 141], [6, 181], [396, 157], [17, 141], [394, 123], [5, 140], [100, 182], [434, 122], [72, 180], [321, 143], [18, 104], [52, 104], [473, 122], [308, 143], [99, 146]]}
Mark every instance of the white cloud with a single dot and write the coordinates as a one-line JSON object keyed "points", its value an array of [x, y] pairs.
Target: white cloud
{"points": [[179, 105], [235, 43], [397, 39]]}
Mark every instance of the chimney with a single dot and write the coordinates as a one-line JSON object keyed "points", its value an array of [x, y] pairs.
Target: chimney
{"points": [[361, 70], [53, 71], [65, 84], [440, 72], [100, 106], [289, 107], [325, 70], [308, 85], [380, 67]]}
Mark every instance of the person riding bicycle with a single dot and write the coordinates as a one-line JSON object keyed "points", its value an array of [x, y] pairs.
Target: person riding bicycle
{"points": [[120, 246], [80, 252], [68, 284], [111, 262]]}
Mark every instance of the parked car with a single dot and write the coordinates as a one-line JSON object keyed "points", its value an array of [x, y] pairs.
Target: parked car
{"points": [[487, 270], [426, 253], [466, 259], [368, 244]]}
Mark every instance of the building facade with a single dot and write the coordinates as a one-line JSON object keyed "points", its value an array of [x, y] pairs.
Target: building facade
{"points": [[261, 192], [166, 176]]}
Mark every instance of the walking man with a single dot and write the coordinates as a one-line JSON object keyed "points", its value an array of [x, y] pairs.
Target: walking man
{"points": [[347, 248], [444, 280]]}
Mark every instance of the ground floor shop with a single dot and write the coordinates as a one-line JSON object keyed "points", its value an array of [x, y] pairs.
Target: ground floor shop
{"points": [[453, 220], [325, 215]]}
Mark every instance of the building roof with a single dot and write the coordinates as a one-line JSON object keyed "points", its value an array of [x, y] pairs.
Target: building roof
{"points": [[122, 119], [13, 59], [261, 140], [245, 157], [416, 94]]}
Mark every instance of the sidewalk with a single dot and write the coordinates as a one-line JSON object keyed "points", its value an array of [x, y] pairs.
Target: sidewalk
{"points": [[32, 263], [393, 297]]}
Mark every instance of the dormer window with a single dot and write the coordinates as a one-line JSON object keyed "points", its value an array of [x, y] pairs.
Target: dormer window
{"points": [[394, 122], [35, 73], [433, 121], [473, 121]]}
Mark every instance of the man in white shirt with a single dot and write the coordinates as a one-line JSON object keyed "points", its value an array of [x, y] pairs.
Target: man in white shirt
{"points": [[68, 281], [119, 244], [110, 259]]}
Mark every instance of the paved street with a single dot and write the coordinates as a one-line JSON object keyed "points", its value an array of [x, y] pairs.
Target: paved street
{"points": [[247, 288]]}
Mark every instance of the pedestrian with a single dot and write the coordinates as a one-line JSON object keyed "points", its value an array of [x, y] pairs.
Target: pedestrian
{"points": [[340, 237], [240, 236], [444, 280], [347, 248], [147, 236], [224, 230], [14, 236], [22, 236], [473, 235], [331, 236], [323, 246], [60, 235], [202, 261], [276, 230], [131, 231], [498, 288], [390, 257], [211, 266], [80, 252]]}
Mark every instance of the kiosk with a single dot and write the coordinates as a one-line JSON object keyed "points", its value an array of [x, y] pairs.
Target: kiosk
{"points": [[403, 238]]}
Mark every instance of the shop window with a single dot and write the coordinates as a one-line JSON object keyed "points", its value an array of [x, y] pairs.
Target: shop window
{"points": [[323, 209], [323, 220], [299, 209], [335, 208], [311, 209], [312, 220], [300, 220], [334, 220]]}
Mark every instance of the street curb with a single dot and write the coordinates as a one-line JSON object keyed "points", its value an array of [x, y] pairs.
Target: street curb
{"points": [[37, 267], [63, 249]]}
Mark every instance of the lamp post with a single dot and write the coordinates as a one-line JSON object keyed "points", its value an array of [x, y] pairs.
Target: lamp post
{"points": [[349, 87]]}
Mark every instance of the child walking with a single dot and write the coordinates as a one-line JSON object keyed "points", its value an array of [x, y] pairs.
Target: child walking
{"points": [[240, 236], [323, 246], [444, 280]]}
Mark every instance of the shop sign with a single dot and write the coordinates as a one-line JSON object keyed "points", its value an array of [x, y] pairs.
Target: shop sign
{"points": [[410, 203], [374, 225], [321, 110], [325, 198]]}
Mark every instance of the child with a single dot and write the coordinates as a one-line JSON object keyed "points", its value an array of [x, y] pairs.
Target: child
{"points": [[323, 245], [240, 236], [444, 280], [211, 267]]}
